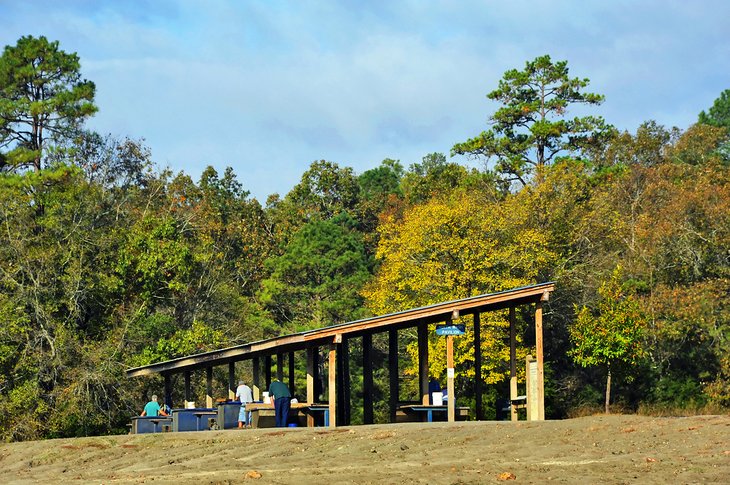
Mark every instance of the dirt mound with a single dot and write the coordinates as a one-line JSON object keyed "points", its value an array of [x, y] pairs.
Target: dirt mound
{"points": [[600, 449]]}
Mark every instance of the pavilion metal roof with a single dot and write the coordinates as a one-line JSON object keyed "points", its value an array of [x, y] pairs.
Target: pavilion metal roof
{"points": [[299, 341]]}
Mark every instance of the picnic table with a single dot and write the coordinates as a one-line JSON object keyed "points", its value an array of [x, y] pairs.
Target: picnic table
{"points": [[261, 410], [426, 412], [228, 414], [150, 424], [320, 408], [185, 419]]}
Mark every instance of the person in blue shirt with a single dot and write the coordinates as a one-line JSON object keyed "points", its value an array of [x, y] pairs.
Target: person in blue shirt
{"points": [[153, 409]]}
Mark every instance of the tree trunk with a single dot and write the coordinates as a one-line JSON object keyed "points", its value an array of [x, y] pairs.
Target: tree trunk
{"points": [[608, 390]]}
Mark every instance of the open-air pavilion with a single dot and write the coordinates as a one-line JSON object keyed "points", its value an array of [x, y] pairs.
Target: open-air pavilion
{"points": [[334, 340]]}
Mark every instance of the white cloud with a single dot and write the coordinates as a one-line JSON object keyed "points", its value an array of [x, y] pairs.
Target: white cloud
{"points": [[268, 87]]}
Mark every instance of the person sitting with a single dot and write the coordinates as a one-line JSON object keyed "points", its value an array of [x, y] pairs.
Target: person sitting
{"points": [[153, 409]]}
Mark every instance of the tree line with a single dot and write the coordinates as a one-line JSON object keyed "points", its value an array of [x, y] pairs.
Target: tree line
{"points": [[108, 261]]}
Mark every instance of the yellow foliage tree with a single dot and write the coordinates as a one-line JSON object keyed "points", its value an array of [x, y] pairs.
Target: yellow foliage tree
{"points": [[454, 248]]}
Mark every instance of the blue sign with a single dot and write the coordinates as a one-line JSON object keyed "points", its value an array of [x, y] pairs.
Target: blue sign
{"points": [[450, 329]]}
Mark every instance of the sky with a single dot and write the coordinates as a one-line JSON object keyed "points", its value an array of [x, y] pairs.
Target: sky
{"points": [[268, 87]]}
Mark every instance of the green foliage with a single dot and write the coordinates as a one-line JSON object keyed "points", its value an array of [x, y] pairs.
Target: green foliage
{"points": [[42, 97], [199, 338], [531, 127], [610, 333], [107, 262], [316, 281], [719, 113]]}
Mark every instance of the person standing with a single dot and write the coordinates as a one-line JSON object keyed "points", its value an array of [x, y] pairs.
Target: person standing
{"points": [[434, 386], [245, 396], [153, 409], [279, 392]]}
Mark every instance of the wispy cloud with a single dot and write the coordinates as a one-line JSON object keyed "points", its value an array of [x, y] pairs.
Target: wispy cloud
{"points": [[268, 87]]}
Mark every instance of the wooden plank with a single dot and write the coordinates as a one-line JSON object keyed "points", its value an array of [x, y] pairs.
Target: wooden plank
{"points": [[423, 374], [256, 371], [393, 372], [450, 377], [332, 385], [209, 387], [478, 366], [438, 312], [231, 381], [367, 378], [531, 388], [310, 383], [540, 362]]}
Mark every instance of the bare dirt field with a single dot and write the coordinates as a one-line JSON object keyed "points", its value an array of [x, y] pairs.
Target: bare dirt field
{"points": [[611, 449]]}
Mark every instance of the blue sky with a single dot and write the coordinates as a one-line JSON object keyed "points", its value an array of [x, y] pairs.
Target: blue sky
{"points": [[267, 87]]}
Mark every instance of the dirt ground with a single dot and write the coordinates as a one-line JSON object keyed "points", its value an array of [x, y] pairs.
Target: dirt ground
{"points": [[600, 449]]}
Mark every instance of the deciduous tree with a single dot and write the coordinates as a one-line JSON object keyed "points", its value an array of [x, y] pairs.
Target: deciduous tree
{"points": [[610, 333]]}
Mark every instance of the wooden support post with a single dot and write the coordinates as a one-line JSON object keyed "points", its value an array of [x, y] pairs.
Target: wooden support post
{"points": [[367, 379], [345, 388], [280, 367], [187, 388], [423, 363], [255, 378], [231, 381], [168, 391], [332, 385], [340, 373], [267, 372], [540, 362], [533, 407], [209, 387], [478, 366], [512, 364], [311, 368], [451, 409], [290, 360], [318, 371], [393, 372]]}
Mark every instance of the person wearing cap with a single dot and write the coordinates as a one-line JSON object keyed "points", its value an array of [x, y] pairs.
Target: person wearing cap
{"points": [[245, 396], [153, 409]]}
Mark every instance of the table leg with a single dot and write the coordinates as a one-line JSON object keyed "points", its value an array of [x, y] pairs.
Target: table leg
{"points": [[429, 415], [327, 417]]}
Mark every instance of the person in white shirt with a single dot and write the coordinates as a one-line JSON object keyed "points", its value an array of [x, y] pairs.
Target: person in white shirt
{"points": [[245, 396]]}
